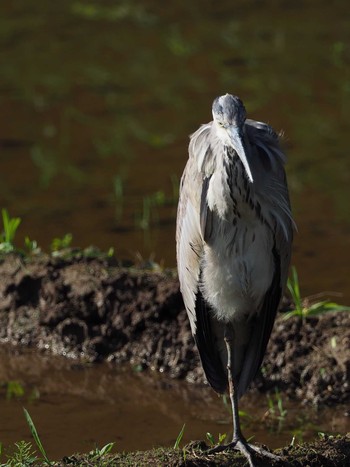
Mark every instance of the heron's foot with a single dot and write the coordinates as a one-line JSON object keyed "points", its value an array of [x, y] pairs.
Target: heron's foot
{"points": [[248, 450]]}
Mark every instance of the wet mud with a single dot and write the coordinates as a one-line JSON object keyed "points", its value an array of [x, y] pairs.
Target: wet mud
{"points": [[94, 309]]}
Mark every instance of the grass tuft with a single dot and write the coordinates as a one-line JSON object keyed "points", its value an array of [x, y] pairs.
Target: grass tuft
{"points": [[304, 307], [10, 226]]}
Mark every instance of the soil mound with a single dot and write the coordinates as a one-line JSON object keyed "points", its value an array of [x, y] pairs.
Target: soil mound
{"points": [[93, 308]]}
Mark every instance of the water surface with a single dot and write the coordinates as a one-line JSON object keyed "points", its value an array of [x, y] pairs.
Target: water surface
{"points": [[76, 408]]}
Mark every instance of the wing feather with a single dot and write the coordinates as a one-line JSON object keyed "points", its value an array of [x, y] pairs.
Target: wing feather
{"points": [[194, 228], [206, 215]]}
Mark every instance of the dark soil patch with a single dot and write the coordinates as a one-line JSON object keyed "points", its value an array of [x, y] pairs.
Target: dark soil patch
{"points": [[94, 309]]}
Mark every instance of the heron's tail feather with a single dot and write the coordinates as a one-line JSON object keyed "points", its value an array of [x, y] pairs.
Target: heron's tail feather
{"points": [[261, 329]]}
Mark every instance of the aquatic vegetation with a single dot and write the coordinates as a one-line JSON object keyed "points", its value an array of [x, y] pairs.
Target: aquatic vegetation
{"points": [[150, 204], [275, 411], [14, 389], [118, 192], [46, 162], [149, 212], [175, 184], [304, 307]]}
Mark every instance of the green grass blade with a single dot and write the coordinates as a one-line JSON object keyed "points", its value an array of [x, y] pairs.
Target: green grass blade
{"points": [[106, 449], [211, 439], [296, 287], [10, 226], [36, 436], [179, 437], [5, 222]]}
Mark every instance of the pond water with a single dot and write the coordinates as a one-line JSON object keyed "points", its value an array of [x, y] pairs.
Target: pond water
{"points": [[76, 408], [97, 102]]}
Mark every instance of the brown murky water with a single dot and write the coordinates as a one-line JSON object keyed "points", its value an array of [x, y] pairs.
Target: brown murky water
{"points": [[78, 407], [97, 101]]}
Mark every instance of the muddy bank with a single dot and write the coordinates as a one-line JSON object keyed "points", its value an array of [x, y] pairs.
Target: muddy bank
{"points": [[328, 452], [92, 308]]}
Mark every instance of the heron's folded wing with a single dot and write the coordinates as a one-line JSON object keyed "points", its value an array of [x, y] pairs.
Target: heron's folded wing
{"points": [[189, 242]]}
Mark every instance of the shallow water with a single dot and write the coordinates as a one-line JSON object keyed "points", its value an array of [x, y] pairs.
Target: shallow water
{"points": [[77, 407], [97, 101]]}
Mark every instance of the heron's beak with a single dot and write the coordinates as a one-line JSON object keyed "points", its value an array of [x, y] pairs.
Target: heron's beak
{"points": [[236, 143]]}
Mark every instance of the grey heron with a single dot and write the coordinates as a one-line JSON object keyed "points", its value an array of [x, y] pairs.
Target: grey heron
{"points": [[234, 235]]}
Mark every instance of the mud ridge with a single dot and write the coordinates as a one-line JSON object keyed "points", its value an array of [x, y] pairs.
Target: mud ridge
{"points": [[95, 309]]}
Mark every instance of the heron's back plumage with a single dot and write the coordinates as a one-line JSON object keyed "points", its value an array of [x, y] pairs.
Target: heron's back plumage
{"points": [[233, 247]]}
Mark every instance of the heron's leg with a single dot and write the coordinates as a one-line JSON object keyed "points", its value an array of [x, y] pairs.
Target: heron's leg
{"points": [[237, 433], [238, 440]]}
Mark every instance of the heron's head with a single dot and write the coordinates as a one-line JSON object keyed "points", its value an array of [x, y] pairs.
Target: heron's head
{"points": [[229, 115]]}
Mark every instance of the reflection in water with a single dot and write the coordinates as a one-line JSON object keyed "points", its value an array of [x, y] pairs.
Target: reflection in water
{"points": [[84, 406]]}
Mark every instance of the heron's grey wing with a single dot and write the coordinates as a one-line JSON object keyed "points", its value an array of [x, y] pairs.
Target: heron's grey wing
{"points": [[273, 187], [206, 215], [194, 227], [189, 244]]}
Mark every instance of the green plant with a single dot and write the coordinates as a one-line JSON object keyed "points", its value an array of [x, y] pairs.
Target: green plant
{"points": [[14, 389], [46, 162], [36, 437], [10, 226], [179, 437], [175, 185], [276, 410], [211, 439], [22, 456], [149, 211], [58, 244], [97, 453], [118, 191], [31, 245], [305, 307], [338, 53], [227, 404]]}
